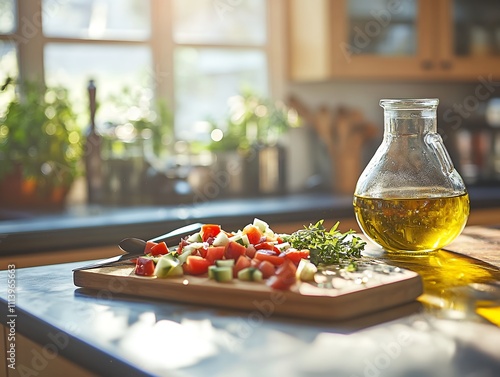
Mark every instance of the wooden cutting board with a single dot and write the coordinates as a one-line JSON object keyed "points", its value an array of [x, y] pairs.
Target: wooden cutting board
{"points": [[374, 289]]}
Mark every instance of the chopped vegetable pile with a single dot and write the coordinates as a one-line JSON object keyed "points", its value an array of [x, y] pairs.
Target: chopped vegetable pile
{"points": [[255, 253]]}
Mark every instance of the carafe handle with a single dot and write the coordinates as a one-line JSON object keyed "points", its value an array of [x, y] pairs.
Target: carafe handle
{"points": [[435, 141]]}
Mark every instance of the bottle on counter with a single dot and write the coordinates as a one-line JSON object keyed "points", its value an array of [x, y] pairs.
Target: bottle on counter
{"points": [[93, 160]]}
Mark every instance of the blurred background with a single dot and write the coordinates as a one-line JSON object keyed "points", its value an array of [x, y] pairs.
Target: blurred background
{"points": [[202, 100]]}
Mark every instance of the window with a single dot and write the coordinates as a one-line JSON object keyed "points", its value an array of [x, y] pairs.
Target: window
{"points": [[191, 54], [194, 53]]}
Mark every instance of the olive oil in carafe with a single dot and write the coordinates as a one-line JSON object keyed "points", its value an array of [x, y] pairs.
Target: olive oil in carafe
{"points": [[412, 224]]}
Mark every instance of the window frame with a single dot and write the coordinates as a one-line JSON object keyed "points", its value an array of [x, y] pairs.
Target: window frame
{"points": [[30, 43]]}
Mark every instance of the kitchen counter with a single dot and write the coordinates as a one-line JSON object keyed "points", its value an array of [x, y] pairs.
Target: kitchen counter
{"points": [[107, 226], [110, 334]]}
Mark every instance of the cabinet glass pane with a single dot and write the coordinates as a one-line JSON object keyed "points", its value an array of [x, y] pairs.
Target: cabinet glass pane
{"points": [[220, 22], [7, 16], [477, 27], [114, 69], [383, 27], [206, 78], [97, 19]]}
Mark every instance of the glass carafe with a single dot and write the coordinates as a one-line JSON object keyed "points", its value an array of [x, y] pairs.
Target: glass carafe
{"points": [[410, 198]]}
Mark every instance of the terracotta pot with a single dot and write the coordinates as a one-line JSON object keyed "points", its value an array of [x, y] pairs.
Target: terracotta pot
{"points": [[17, 191]]}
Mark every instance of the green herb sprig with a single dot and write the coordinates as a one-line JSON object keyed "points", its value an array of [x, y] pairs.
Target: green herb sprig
{"points": [[328, 247]]}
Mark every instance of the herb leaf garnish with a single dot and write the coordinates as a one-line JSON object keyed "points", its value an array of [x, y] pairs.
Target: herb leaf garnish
{"points": [[328, 247]]}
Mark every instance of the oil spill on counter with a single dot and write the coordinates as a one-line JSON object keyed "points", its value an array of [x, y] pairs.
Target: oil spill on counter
{"points": [[455, 286]]}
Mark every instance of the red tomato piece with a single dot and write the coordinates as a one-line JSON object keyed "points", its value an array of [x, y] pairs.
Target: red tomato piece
{"points": [[182, 243], [284, 277], [267, 246], [269, 256], [250, 251], [253, 233], [234, 250], [160, 248], [242, 262], [203, 250], [149, 246], [209, 231], [196, 265], [215, 253], [255, 263], [144, 267], [267, 269], [296, 255]]}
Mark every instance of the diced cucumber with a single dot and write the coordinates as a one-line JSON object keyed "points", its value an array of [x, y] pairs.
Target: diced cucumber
{"points": [[166, 266], [221, 274], [176, 271], [283, 246], [210, 271], [244, 240], [189, 249], [221, 239], [262, 225], [195, 237], [306, 270], [236, 237], [250, 274], [224, 262]]}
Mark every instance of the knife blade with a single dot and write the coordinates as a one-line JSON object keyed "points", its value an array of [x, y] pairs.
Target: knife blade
{"points": [[122, 259]]}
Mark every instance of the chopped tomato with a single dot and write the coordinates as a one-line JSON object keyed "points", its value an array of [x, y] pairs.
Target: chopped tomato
{"points": [[250, 251], [255, 263], [203, 250], [242, 262], [183, 243], [267, 269], [209, 231], [144, 267], [160, 248], [196, 265], [149, 246], [296, 255], [284, 277], [253, 233], [234, 250], [267, 246], [269, 256], [215, 253]]}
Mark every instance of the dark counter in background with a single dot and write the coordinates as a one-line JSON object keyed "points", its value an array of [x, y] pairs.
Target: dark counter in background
{"points": [[94, 226]]}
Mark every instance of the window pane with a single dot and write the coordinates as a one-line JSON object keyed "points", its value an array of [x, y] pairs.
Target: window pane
{"points": [[112, 67], [97, 19], [7, 16], [383, 27], [220, 22], [8, 68], [205, 79]]}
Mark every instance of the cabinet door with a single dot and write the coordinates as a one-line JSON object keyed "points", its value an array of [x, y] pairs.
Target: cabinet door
{"points": [[470, 38], [382, 38]]}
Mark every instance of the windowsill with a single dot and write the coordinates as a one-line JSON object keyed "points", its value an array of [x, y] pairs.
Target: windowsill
{"points": [[79, 227]]}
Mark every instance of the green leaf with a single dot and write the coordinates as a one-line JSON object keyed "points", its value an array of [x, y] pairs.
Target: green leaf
{"points": [[328, 247]]}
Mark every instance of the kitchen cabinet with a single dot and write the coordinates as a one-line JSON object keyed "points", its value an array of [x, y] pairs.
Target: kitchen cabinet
{"points": [[394, 39]]}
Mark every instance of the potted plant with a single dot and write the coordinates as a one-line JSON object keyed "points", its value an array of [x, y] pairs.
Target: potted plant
{"points": [[137, 145], [40, 146], [252, 131]]}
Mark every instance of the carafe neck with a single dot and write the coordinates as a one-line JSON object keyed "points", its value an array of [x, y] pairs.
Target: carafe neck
{"points": [[410, 117]]}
